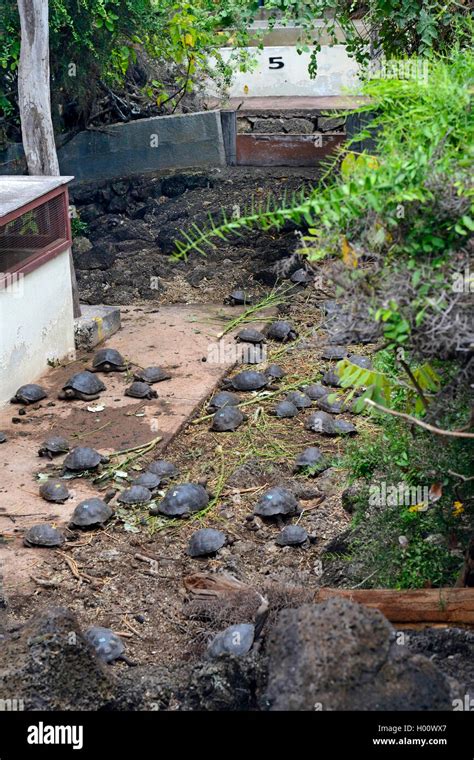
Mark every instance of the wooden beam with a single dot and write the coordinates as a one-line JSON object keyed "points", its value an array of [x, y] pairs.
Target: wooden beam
{"points": [[432, 605]]}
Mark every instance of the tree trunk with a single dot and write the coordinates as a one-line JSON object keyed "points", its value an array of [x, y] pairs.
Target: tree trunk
{"points": [[34, 100]]}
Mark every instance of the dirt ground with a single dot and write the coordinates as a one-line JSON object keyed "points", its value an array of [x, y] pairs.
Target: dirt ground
{"points": [[104, 575]]}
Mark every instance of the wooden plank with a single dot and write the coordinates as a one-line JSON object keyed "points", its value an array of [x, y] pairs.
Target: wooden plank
{"points": [[285, 150], [442, 605]]}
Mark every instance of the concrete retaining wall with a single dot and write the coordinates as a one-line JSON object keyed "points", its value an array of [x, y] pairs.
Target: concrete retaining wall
{"points": [[146, 145]]}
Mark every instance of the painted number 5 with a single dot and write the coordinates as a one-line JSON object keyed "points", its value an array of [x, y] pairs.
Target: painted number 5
{"points": [[275, 62]]}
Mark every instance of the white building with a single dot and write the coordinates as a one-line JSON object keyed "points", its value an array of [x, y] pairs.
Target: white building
{"points": [[36, 310]]}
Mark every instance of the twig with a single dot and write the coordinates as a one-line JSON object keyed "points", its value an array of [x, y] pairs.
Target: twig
{"points": [[44, 582], [461, 477], [414, 421]]}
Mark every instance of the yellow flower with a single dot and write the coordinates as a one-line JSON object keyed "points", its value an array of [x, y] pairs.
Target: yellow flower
{"points": [[458, 508]]}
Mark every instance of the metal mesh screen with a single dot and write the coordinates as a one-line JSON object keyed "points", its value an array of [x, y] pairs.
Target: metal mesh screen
{"points": [[33, 233]]}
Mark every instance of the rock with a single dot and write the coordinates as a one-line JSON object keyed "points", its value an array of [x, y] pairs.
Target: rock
{"points": [[339, 655], [81, 245], [295, 126], [99, 257], [269, 126], [349, 498], [117, 205], [49, 664], [173, 186], [330, 123]]}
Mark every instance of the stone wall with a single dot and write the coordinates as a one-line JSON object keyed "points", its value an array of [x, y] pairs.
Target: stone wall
{"points": [[297, 123]]}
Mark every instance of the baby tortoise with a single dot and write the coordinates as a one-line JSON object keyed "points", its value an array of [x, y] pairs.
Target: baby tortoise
{"points": [[3, 437], [292, 535], [334, 353], [140, 390], [151, 375], [108, 646], [29, 394], [274, 372], [276, 501], [282, 331], [315, 391], [164, 469], [227, 419], [44, 535], [135, 495], [182, 500], [83, 458], [300, 400], [108, 360], [148, 480], [285, 409], [248, 380], [205, 541], [239, 298], [222, 399], [54, 490], [84, 386], [250, 335], [91, 512], [310, 458], [322, 422], [53, 446], [236, 640]]}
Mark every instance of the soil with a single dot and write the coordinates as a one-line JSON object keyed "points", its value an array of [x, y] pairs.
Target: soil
{"points": [[129, 575]]}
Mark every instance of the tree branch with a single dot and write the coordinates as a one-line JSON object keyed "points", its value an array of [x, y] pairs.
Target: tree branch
{"points": [[414, 421]]}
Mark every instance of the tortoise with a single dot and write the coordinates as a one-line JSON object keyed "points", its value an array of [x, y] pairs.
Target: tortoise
{"points": [[285, 409], [250, 335], [315, 391], [108, 360], [83, 385], [274, 372], [292, 535], [140, 390], [301, 277], [205, 541], [334, 352], [332, 378], [227, 419], [151, 375], [282, 331], [3, 437], [361, 361], [43, 534], [83, 458], [310, 457], [147, 480], [236, 640], [29, 394], [54, 445], [239, 298], [164, 469], [182, 500], [332, 407], [54, 490], [276, 501], [108, 646], [91, 512], [135, 495], [300, 400], [248, 380], [322, 422], [222, 399]]}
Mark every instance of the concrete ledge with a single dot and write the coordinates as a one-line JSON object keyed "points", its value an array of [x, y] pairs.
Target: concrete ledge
{"points": [[96, 324]]}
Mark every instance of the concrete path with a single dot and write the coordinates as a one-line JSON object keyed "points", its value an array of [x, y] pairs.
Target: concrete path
{"points": [[182, 338]]}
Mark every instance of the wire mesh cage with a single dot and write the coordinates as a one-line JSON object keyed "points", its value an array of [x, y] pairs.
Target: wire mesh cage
{"points": [[34, 233]]}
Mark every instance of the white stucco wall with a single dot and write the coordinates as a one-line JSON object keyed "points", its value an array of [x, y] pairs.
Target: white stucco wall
{"points": [[337, 74], [36, 324]]}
